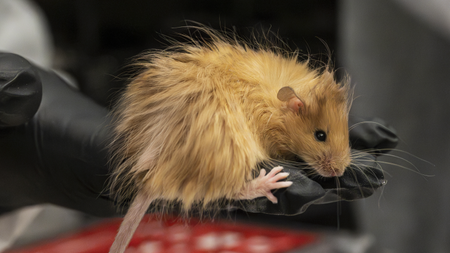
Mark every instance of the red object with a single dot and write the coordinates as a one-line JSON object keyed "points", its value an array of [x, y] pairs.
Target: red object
{"points": [[171, 235]]}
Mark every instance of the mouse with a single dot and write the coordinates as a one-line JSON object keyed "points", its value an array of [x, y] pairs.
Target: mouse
{"points": [[198, 117]]}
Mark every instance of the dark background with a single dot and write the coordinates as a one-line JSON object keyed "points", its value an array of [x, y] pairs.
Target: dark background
{"points": [[94, 40]]}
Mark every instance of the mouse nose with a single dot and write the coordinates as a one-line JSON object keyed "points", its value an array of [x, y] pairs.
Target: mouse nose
{"points": [[329, 168], [330, 172], [338, 173]]}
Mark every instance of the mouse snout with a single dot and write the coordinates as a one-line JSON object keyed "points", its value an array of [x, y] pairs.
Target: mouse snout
{"points": [[331, 167], [330, 171]]}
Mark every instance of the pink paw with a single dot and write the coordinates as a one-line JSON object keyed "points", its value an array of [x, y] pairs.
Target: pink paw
{"points": [[263, 184]]}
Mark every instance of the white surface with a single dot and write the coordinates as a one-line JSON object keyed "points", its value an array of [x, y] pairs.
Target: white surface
{"points": [[13, 225], [24, 31]]}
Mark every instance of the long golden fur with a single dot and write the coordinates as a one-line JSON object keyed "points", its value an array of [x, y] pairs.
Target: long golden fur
{"points": [[195, 122], [199, 117]]}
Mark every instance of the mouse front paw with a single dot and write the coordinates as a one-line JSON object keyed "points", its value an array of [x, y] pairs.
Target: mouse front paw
{"points": [[263, 184]]}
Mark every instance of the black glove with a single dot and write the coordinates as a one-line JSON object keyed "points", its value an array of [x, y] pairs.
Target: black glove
{"points": [[60, 157], [372, 135]]}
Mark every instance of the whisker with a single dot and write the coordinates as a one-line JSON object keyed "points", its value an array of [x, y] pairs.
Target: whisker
{"points": [[364, 168], [400, 151], [400, 166], [359, 155], [379, 199], [310, 172], [385, 162], [364, 122], [338, 204], [402, 159], [364, 172]]}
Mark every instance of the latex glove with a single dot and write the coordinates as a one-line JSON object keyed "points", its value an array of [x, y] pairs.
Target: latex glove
{"points": [[60, 157]]}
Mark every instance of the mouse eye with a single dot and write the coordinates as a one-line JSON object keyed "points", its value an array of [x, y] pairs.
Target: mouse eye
{"points": [[320, 135]]}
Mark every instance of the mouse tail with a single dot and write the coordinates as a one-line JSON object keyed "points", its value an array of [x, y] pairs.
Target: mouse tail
{"points": [[135, 213]]}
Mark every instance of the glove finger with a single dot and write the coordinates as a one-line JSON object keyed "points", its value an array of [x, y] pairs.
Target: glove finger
{"points": [[374, 135], [20, 90]]}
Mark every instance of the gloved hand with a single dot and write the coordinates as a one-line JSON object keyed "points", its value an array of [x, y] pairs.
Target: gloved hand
{"points": [[60, 157]]}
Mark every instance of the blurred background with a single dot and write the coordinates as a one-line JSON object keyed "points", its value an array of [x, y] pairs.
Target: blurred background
{"points": [[396, 51]]}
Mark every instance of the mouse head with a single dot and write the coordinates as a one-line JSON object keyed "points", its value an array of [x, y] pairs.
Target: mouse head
{"points": [[316, 124]]}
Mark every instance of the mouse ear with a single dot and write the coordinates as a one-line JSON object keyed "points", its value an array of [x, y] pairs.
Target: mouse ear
{"points": [[294, 103], [286, 93]]}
